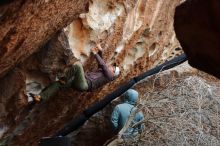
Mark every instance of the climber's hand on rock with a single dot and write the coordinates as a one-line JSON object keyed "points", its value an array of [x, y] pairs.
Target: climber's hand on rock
{"points": [[99, 46], [94, 50]]}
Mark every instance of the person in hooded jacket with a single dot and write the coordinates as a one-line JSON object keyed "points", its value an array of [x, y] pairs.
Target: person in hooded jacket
{"points": [[122, 112]]}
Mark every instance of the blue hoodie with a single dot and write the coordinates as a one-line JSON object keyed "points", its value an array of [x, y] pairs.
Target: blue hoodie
{"points": [[122, 111]]}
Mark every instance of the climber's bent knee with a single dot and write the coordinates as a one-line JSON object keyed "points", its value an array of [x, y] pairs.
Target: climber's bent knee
{"points": [[82, 87]]}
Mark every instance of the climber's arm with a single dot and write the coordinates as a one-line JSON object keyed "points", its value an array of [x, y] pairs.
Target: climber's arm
{"points": [[102, 64], [115, 118]]}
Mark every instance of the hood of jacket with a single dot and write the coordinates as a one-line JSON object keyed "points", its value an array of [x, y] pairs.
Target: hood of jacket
{"points": [[131, 96]]}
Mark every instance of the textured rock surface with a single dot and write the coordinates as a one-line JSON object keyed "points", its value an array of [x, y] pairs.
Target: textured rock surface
{"points": [[197, 27], [25, 26], [12, 97], [136, 35]]}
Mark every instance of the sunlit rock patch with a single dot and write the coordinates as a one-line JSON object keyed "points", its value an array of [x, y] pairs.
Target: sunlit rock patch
{"points": [[130, 32]]}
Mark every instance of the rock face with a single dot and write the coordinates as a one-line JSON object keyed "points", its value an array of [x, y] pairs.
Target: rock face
{"points": [[26, 26], [197, 28], [136, 35], [130, 32], [12, 97]]}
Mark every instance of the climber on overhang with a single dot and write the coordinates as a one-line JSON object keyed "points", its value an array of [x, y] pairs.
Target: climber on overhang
{"points": [[122, 112], [74, 77]]}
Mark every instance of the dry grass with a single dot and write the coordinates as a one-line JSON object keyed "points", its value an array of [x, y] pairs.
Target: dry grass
{"points": [[184, 112]]}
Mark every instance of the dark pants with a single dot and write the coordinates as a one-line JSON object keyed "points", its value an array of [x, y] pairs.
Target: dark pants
{"points": [[75, 78]]}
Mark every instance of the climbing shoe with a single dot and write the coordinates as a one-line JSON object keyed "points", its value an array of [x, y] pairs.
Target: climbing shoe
{"points": [[62, 80], [36, 98]]}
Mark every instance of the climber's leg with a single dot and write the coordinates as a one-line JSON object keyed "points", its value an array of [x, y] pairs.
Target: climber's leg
{"points": [[50, 90], [74, 77], [79, 82]]}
